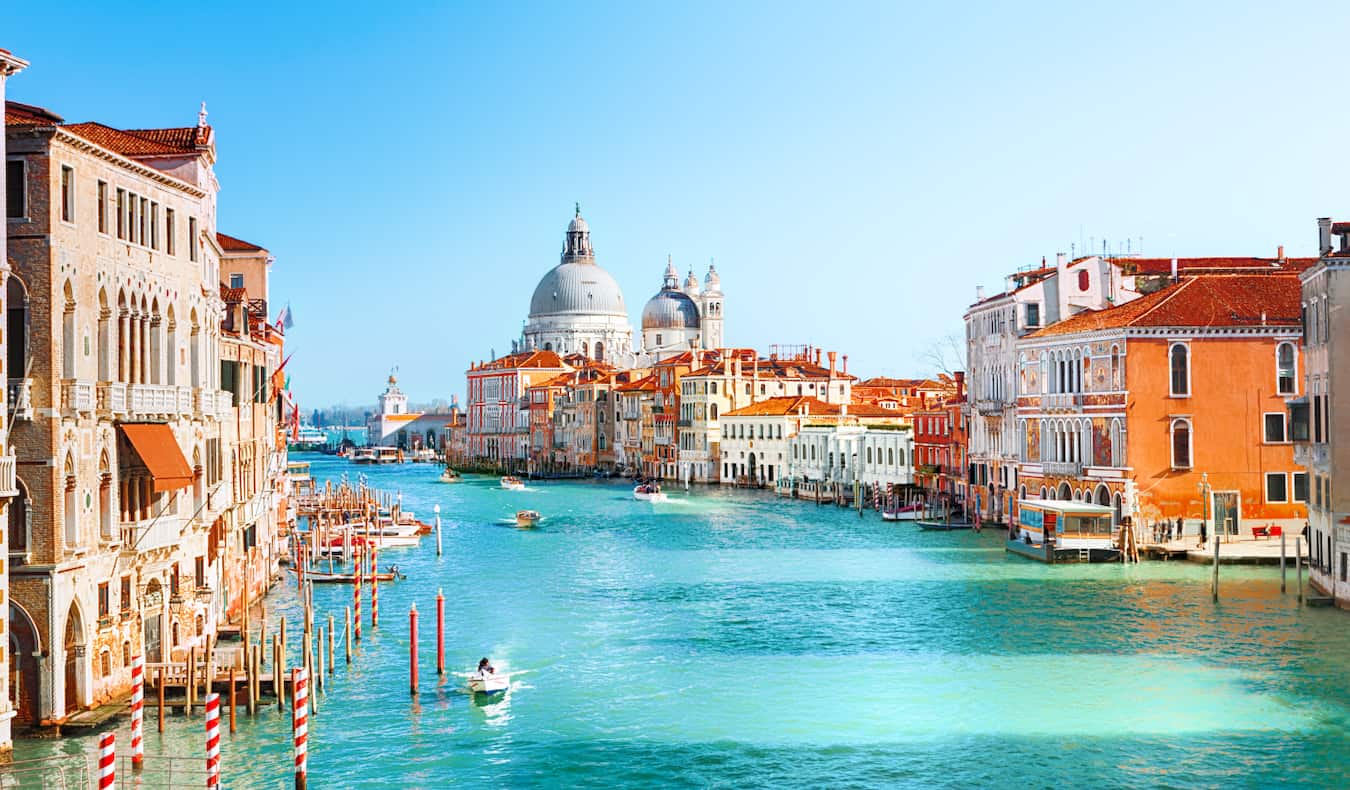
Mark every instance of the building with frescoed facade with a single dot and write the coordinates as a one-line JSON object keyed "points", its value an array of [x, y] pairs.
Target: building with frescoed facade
{"points": [[1320, 413], [1170, 406], [756, 441]]}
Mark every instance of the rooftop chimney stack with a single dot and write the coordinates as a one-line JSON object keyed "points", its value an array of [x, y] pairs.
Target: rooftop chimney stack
{"points": [[1323, 235], [979, 293], [1174, 270], [817, 357], [960, 377], [832, 356], [1280, 253], [846, 364]]}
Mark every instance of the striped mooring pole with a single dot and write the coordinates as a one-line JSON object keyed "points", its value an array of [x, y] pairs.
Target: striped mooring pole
{"points": [[107, 757], [137, 712], [357, 569], [212, 741], [374, 588], [300, 723]]}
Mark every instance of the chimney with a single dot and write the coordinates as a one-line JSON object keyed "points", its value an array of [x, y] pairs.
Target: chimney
{"points": [[1174, 270], [845, 364], [1323, 235], [832, 355], [1280, 253], [1061, 261], [817, 357], [960, 384], [979, 293]]}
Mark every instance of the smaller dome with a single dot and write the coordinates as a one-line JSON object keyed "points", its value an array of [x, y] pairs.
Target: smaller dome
{"points": [[691, 284], [670, 309], [578, 225]]}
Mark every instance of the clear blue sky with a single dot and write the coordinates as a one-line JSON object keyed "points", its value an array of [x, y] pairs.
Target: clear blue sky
{"points": [[855, 169]]}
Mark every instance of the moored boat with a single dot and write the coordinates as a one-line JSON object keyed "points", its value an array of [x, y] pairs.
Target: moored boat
{"points": [[527, 518], [511, 483], [912, 512], [942, 526], [451, 476], [363, 455], [320, 577]]}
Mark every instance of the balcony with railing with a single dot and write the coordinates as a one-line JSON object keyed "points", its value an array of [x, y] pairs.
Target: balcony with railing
{"points": [[152, 399], [1310, 455], [112, 398], [224, 402], [152, 533], [9, 485], [1062, 468], [989, 405], [1062, 401], [184, 398], [20, 398], [77, 397]]}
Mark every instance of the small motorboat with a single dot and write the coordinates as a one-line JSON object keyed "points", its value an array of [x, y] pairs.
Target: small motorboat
{"points": [[942, 526], [451, 476], [527, 518], [513, 483], [906, 513], [489, 683], [649, 492], [320, 577]]}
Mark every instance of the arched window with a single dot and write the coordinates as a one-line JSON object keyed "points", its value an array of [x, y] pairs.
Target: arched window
{"points": [[890, 456], [1181, 444], [68, 334], [599, 351], [1043, 492], [1116, 383], [548, 346], [1179, 363], [869, 455], [712, 410], [1117, 444], [1285, 369]]}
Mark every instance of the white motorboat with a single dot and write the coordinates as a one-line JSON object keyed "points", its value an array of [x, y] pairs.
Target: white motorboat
{"points": [[527, 518], [450, 476], [908, 513], [513, 483], [649, 492], [489, 682]]}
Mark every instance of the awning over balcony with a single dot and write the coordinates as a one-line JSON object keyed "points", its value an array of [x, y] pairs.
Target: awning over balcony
{"points": [[158, 450]]}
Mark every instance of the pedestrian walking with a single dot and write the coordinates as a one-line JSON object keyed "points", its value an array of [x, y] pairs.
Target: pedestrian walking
{"points": [[1204, 532]]}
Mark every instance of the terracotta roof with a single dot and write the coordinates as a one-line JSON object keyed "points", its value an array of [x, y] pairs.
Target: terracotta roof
{"points": [[644, 384], [125, 143], [784, 406], [19, 114], [1209, 301], [525, 359], [1340, 227], [232, 244], [233, 294], [772, 369], [1211, 264], [888, 383], [184, 138]]}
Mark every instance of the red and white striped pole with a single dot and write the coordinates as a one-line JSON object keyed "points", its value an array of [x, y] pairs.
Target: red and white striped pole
{"points": [[107, 758], [358, 568], [137, 711], [374, 588], [300, 723], [412, 648], [440, 633], [212, 741]]}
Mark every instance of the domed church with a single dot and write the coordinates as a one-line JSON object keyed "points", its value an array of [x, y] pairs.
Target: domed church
{"points": [[578, 308], [680, 319]]}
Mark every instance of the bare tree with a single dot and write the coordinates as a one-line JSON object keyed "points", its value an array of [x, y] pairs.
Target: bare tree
{"points": [[944, 354]]}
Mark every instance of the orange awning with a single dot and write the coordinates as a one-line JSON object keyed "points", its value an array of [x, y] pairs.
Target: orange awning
{"points": [[155, 444]]}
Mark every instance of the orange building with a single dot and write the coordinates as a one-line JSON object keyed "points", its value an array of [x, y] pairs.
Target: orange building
{"points": [[1171, 406]]}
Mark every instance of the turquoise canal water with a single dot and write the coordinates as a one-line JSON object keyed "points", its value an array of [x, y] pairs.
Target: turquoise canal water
{"points": [[731, 639]]}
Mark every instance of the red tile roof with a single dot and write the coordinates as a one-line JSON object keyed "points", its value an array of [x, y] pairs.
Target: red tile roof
{"points": [[121, 142], [1211, 265], [233, 295], [785, 406], [232, 244], [1340, 227], [524, 359], [1209, 301], [644, 384], [19, 114]]}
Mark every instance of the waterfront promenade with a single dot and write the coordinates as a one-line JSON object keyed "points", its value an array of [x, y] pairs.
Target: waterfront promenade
{"points": [[734, 638]]}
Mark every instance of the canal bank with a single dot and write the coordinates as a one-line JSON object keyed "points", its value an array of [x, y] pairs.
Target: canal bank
{"points": [[734, 638]]}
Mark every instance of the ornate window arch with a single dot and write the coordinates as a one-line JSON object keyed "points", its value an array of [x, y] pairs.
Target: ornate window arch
{"points": [[1182, 443], [1179, 370]]}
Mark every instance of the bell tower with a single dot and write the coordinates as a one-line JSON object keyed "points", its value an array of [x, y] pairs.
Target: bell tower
{"points": [[710, 309]]}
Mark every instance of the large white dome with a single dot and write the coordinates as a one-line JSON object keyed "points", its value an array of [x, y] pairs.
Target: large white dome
{"points": [[574, 287]]}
